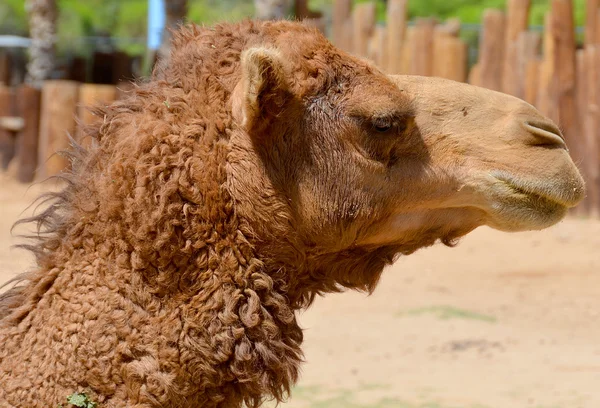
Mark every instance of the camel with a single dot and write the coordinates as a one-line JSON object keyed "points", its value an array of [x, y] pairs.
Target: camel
{"points": [[257, 169]]}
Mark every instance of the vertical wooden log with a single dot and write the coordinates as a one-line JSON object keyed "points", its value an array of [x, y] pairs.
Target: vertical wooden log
{"points": [[440, 52], [458, 60], [349, 30], [564, 80], [58, 108], [491, 49], [450, 57], [527, 49], [342, 24], [591, 21], [7, 139], [583, 119], [592, 133], [598, 27], [5, 68], [364, 24], [545, 101], [422, 47], [377, 47], [588, 97], [397, 16], [91, 95], [28, 101], [475, 75], [407, 46], [517, 23], [532, 73], [451, 27]]}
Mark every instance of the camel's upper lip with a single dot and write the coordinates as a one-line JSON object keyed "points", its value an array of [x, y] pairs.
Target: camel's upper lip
{"points": [[567, 195]]}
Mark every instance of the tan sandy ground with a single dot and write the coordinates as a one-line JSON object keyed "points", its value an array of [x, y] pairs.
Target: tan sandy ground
{"points": [[501, 321]]}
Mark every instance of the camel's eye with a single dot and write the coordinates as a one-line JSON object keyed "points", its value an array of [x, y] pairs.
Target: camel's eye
{"points": [[383, 125]]}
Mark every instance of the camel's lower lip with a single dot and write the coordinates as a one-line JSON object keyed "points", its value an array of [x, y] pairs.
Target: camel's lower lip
{"points": [[516, 206], [540, 196], [544, 193]]}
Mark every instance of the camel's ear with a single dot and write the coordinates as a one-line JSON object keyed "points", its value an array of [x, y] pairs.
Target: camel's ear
{"points": [[263, 90]]}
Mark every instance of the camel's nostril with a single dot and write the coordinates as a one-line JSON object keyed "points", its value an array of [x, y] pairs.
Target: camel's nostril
{"points": [[546, 134]]}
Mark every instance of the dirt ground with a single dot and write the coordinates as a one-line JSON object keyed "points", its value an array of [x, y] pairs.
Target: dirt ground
{"points": [[501, 321]]}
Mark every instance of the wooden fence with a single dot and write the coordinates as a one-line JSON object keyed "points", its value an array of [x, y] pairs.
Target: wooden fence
{"points": [[34, 124], [546, 68]]}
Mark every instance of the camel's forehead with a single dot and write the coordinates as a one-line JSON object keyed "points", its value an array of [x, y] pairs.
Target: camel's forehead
{"points": [[376, 93]]}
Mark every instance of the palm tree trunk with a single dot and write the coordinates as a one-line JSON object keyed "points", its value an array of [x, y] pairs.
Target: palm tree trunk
{"points": [[42, 28]]}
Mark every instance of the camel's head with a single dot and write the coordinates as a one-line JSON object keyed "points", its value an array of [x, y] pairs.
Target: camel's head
{"points": [[356, 158]]}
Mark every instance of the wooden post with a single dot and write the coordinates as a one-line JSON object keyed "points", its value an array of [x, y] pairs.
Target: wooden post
{"points": [[28, 100], [591, 21], [532, 73], [364, 24], [397, 16], [89, 96], [440, 52], [583, 118], [7, 138], [517, 23], [475, 75], [58, 108], [593, 135], [377, 47], [545, 102], [5, 68], [451, 27], [458, 60], [597, 25], [450, 57], [407, 46], [564, 85], [491, 49], [422, 47], [587, 99], [527, 48], [342, 24]]}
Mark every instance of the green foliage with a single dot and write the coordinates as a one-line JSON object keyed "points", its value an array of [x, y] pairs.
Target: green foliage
{"points": [[13, 19], [471, 11], [128, 19], [81, 400], [211, 11], [448, 312]]}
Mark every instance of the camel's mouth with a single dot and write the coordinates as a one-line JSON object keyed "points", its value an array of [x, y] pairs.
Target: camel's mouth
{"points": [[520, 204], [566, 193]]}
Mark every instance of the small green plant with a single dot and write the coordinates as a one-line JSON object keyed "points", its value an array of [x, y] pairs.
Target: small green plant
{"points": [[448, 312], [80, 400]]}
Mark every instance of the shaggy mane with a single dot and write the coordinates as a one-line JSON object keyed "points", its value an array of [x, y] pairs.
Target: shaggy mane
{"points": [[49, 229]]}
